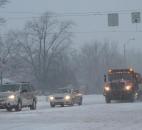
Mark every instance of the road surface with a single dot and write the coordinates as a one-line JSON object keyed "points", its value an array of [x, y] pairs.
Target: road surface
{"points": [[94, 114]]}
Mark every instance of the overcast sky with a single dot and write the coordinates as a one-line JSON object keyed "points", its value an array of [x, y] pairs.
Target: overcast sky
{"points": [[88, 28]]}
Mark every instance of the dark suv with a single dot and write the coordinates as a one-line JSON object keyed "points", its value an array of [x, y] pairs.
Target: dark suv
{"points": [[16, 96]]}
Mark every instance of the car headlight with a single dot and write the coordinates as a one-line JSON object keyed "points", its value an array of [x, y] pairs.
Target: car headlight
{"points": [[51, 98], [107, 88], [128, 87], [67, 97], [11, 97]]}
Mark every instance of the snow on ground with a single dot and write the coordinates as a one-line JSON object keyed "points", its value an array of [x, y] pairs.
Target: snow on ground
{"points": [[94, 114]]}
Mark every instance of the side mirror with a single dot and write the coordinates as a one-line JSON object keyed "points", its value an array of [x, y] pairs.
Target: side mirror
{"points": [[105, 79]]}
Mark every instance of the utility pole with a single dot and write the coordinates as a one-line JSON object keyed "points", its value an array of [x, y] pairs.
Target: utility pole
{"points": [[1, 78], [124, 49], [2, 63]]}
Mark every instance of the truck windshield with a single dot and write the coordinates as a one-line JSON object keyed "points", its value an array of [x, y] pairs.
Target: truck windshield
{"points": [[11, 88], [119, 76]]}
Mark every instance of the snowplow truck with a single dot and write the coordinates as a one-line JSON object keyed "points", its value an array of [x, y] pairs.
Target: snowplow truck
{"points": [[121, 84]]}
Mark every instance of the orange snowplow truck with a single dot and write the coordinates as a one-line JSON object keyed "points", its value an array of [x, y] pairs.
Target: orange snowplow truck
{"points": [[121, 84]]}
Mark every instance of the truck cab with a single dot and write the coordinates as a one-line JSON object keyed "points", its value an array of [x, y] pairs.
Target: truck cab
{"points": [[121, 84]]}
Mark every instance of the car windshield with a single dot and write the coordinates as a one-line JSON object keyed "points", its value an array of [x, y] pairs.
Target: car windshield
{"points": [[63, 91], [11, 88], [119, 76]]}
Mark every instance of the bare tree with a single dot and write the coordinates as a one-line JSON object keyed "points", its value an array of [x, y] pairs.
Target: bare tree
{"points": [[2, 3], [42, 41], [5, 50], [93, 60]]}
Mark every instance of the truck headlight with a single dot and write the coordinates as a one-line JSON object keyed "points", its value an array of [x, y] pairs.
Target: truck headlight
{"points": [[11, 97], [51, 98], [128, 87], [107, 88], [67, 97]]}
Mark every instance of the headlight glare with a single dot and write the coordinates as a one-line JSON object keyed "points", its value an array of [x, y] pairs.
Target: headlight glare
{"points": [[128, 87], [51, 98], [107, 88], [67, 97], [11, 97]]}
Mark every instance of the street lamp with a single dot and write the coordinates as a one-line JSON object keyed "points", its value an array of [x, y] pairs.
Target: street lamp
{"points": [[124, 47]]}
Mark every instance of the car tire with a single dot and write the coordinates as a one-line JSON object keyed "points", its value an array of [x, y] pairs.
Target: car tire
{"points": [[19, 106], [62, 105], [132, 99], [52, 104], [33, 106], [80, 102], [72, 103]]}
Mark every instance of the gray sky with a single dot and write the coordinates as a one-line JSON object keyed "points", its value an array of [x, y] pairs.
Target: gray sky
{"points": [[96, 24]]}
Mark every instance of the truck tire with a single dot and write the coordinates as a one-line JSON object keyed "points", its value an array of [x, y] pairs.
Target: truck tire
{"points": [[9, 109], [140, 98], [19, 106], [107, 99], [132, 99], [33, 106]]}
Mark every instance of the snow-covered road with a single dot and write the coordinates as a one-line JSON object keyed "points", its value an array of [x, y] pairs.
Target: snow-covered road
{"points": [[94, 114]]}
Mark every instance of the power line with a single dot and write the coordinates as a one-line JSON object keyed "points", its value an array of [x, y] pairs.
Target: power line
{"points": [[81, 32], [71, 14]]}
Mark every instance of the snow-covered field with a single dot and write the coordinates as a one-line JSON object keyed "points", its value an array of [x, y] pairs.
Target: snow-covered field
{"points": [[94, 114]]}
